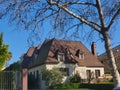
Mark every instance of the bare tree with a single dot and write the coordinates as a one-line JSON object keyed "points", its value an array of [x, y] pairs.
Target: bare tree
{"points": [[65, 15]]}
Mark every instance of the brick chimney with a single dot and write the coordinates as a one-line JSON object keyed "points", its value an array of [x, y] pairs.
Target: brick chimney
{"points": [[93, 49]]}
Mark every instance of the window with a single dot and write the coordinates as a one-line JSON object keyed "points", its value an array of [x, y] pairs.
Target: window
{"points": [[61, 57], [34, 74], [67, 51], [88, 72], [97, 73], [30, 73], [79, 54], [65, 70], [37, 73], [35, 56]]}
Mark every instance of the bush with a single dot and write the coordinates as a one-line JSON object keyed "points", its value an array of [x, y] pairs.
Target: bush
{"points": [[52, 77], [67, 86], [75, 79], [98, 86]]}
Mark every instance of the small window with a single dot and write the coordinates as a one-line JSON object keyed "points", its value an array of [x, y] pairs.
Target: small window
{"points": [[30, 73], [56, 53], [67, 51], [34, 74], [37, 73], [61, 57], [81, 55], [77, 52], [35, 55], [97, 73], [88, 72]]}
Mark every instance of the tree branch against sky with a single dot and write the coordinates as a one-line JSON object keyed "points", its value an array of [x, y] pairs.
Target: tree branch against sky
{"points": [[65, 15]]}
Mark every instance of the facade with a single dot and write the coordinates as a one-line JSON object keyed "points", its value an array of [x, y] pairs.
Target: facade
{"points": [[71, 57], [105, 61]]}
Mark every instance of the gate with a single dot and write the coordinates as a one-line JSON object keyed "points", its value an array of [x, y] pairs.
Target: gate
{"points": [[10, 80]]}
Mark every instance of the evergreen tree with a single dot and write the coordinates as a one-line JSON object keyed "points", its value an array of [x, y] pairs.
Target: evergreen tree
{"points": [[4, 53]]}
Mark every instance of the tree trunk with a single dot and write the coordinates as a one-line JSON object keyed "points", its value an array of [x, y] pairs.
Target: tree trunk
{"points": [[114, 70]]}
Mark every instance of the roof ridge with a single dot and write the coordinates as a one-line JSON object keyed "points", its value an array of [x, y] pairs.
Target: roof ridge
{"points": [[112, 49]]}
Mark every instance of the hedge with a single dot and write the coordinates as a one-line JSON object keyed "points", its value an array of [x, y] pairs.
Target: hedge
{"points": [[67, 86], [98, 86]]}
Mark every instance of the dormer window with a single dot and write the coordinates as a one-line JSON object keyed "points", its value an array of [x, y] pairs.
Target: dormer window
{"points": [[67, 51], [35, 56], [61, 57], [80, 54]]}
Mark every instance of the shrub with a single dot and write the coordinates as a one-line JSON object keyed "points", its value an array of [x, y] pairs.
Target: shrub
{"points": [[75, 79], [52, 77], [67, 86], [98, 86]]}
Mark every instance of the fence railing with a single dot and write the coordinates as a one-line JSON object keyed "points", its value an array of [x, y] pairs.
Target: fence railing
{"points": [[10, 80]]}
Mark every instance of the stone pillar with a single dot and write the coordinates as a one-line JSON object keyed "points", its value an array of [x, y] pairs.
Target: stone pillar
{"points": [[24, 79]]}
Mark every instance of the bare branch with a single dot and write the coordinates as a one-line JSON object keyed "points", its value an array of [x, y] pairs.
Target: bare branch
{"points": [[113, 19], [95, 24], [76, 16], [98, 5], [83, 3]]}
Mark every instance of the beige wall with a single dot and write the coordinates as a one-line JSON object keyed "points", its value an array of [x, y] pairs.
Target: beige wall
{"points": [[50, 66], [62, 65], [34, 69], [72, 69], [83, 74]]}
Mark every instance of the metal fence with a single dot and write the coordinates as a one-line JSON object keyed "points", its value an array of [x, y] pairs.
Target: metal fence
{"points": [[10, 80]]}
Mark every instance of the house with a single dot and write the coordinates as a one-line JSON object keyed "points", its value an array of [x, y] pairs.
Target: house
{"points": [[69, 56], [104, 60]]}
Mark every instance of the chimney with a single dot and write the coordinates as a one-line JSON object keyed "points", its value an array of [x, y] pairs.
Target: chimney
{"points": [[93, 49]]}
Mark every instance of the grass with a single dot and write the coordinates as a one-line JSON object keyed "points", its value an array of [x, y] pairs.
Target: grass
{"points": [[72, 89], [81, 89]]}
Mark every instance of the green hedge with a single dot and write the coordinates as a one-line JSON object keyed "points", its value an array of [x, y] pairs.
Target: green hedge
{"points": [[67, 86], [98, 86]]}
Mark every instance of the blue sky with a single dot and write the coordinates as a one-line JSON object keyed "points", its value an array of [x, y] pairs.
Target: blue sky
{"points": [[18, 45], [17, 40]]}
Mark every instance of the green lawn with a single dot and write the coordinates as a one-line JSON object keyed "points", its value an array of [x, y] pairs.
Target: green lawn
{"points": [[81, 89], [72, 89]]}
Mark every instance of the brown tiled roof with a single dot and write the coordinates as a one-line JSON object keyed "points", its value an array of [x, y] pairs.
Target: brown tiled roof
{"points": [[28, 57], [50, 46], [33, 50], [103, 58], [30, 51]]}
